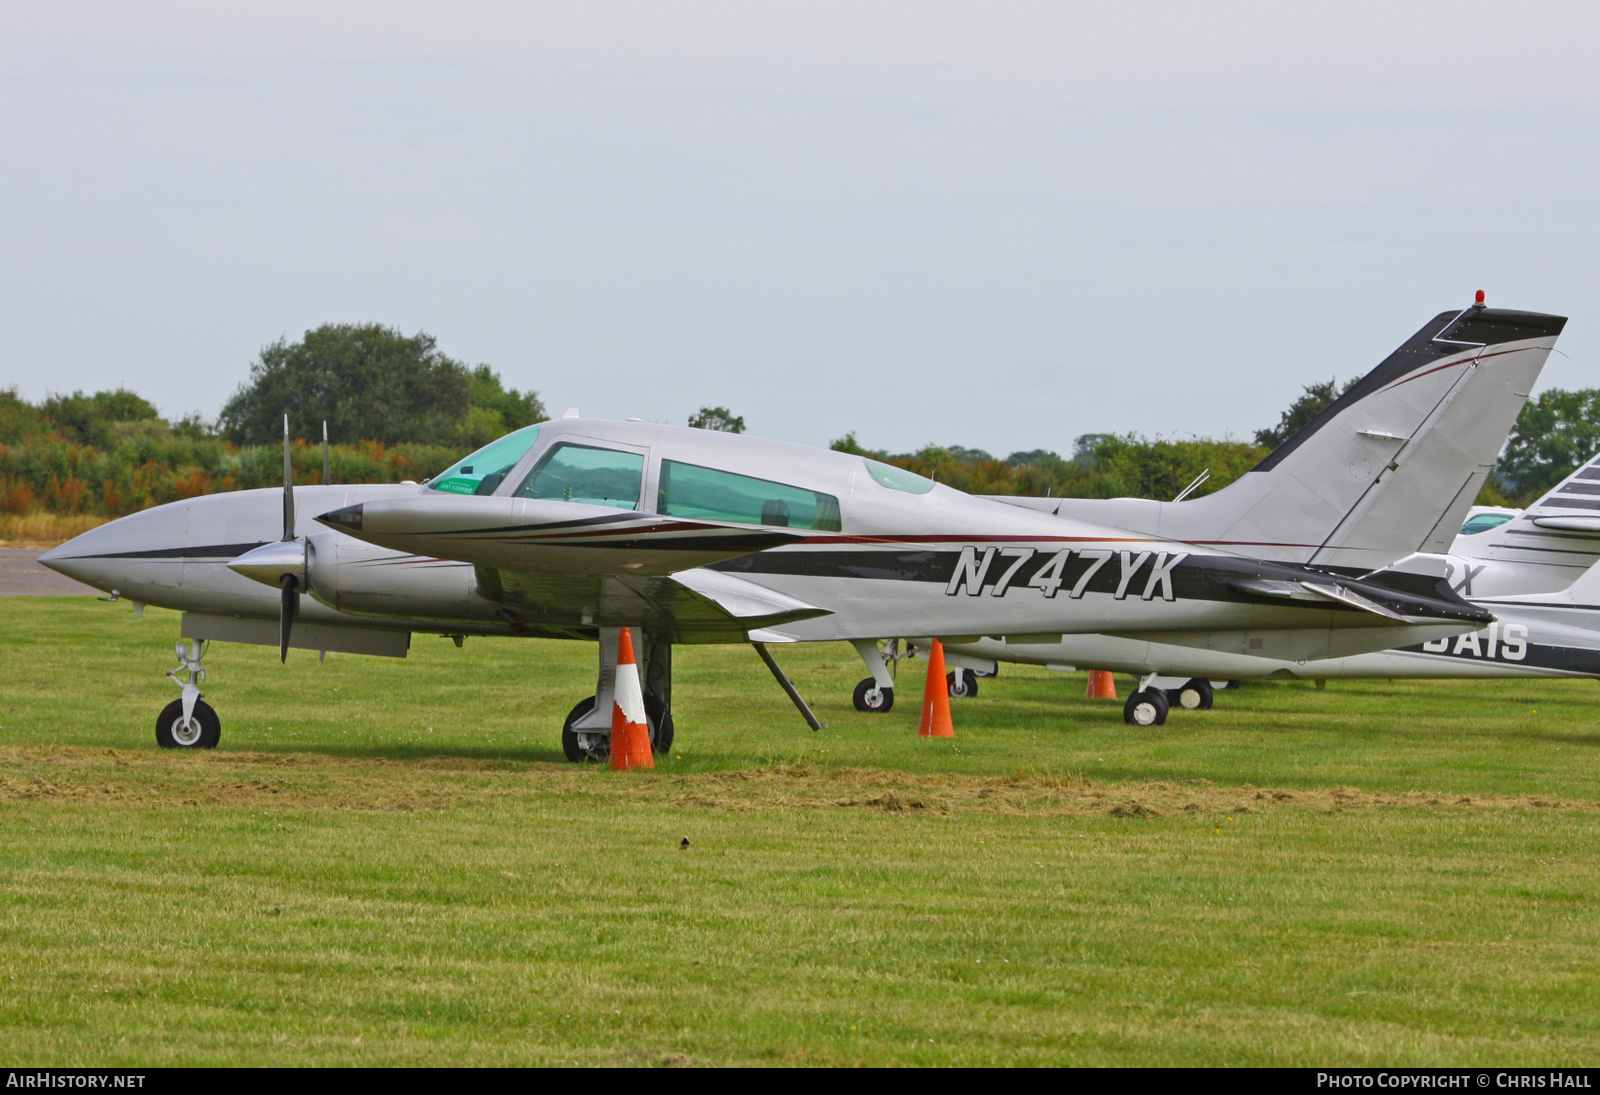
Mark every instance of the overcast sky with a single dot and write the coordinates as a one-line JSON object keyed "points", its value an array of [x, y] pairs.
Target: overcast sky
{"points": [[999, 225]]}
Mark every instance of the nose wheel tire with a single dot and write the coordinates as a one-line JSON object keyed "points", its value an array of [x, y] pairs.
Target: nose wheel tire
{"points": [[202, 731], [1196, 695], [1146, 708], [961, 683], [870, 698], [582, 746]]}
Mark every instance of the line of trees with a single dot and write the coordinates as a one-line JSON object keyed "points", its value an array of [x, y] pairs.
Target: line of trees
{"points": [[1554, 435], [1101, 466], [398, 408]]}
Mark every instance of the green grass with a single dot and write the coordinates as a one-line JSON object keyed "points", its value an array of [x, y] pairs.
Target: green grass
{"points": [[389, 862]]}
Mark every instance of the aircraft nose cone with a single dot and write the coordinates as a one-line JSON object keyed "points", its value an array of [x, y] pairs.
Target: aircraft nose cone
{"points": [[347, 518], [76, 560]]}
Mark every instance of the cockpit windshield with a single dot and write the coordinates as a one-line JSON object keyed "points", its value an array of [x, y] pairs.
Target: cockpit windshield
{"points": [[482, 472], [587, 474]]}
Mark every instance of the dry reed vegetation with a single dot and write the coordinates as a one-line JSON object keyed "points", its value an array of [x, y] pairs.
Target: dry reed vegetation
{"points": [[41, 530]]}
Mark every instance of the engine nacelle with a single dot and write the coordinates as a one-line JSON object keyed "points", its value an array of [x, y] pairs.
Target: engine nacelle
{"points": [[359, 578]]}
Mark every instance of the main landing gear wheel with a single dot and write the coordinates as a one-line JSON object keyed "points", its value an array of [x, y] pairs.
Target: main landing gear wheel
{"points": [[202, 731], [1146, 708], [1196, 695], [587, 745], [870, 698], [961, 682]]}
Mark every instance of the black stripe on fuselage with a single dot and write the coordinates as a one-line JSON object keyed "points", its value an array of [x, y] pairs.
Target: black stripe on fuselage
{"points": [[198, 551], [1197, 577], [1566, 659]]}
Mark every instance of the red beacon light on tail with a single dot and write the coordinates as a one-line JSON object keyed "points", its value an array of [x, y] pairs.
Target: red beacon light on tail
{"points": [[1479, 300]]}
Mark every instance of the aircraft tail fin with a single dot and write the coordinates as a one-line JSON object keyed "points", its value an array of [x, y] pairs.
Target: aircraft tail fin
{"points": [[1554, 542], [1387, 470]]}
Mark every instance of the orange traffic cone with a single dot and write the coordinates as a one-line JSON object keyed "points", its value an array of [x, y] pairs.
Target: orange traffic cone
{"points": [[936, 698], [630, 735], [1102, 685]]}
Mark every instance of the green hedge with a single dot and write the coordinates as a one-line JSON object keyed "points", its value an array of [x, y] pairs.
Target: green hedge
{"points": [[57, 476]]}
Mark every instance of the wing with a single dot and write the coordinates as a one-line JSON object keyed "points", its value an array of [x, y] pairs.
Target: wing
{"points": [[561, 567]]}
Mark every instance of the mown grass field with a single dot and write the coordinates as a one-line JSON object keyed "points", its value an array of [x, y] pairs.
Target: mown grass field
{"points": [[388, 862]]}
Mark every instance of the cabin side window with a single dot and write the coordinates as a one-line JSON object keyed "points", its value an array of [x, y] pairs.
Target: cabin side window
{"points": [[584, 473], [887, 475], [1483, 522], [483, 471], [688, 490]]}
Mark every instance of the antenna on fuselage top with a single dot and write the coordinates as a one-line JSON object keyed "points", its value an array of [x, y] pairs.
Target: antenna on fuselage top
{"points": [[327, 468], [1199, 481]]}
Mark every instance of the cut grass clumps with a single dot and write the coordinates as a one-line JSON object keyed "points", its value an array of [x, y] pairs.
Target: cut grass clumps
{"points": [[390, 863]]}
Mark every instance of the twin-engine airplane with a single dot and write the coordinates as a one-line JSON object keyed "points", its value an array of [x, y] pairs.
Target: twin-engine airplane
{"points": [[578, 528]]}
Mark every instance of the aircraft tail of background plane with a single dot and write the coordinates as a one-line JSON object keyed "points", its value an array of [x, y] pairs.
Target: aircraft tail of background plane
{"points": [[1554, 543], [1389, 469]]}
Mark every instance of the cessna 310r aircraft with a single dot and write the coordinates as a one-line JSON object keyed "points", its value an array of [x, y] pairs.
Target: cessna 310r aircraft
{"points": [[578, 528]]}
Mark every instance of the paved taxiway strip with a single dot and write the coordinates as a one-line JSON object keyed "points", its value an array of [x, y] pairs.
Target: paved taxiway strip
{"points": [[22, 576]]}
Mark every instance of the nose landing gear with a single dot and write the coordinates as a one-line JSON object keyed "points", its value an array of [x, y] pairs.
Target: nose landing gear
{"points": [[188, 722]]}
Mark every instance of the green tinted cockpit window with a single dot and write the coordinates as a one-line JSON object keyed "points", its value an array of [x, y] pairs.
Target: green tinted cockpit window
{"points": [[887, 475], [1483, 522], [688, 490], [482, 472], [583, 473]]}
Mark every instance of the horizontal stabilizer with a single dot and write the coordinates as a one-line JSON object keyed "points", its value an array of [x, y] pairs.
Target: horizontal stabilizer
{"points": [[1316, 591], [1403, 599]]}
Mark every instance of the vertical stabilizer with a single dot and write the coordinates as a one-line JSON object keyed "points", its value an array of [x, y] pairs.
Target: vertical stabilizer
{"points": [[1554, 541], [1390, 468]]}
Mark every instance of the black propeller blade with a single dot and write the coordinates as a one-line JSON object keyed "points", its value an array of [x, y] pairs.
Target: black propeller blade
{"points": [[288, 485], [288, 609]]}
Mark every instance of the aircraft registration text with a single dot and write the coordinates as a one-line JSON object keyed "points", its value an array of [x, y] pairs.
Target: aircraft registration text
{"points": [[996, 571]]}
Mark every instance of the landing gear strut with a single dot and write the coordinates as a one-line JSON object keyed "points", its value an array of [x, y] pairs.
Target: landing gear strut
{"points": [[961, 682], [873, 699], [586, 734], [582, 746], [1194, 695], [875, 695], [1148, 705], [188, 722]]}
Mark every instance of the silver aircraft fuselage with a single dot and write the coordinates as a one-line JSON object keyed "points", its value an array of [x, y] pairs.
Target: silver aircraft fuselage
{"points": [[885, 551]]}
